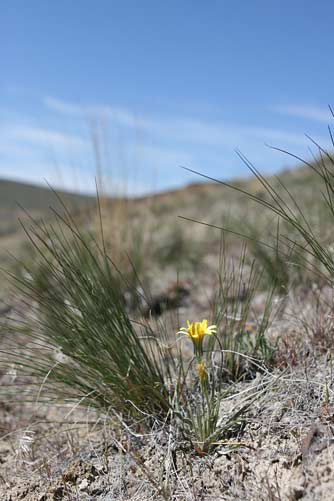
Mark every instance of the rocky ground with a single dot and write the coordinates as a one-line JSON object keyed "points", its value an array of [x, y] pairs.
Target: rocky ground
{"points": [[284, 450]]}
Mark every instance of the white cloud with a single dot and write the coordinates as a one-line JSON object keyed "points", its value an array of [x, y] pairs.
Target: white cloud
{"points": [[228, 135], [62, 106], [122, 116], [181, 129], [308, 112], [46, 137]]}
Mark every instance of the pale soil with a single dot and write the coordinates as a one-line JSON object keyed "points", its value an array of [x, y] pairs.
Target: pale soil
{"points": [[285, 451]]}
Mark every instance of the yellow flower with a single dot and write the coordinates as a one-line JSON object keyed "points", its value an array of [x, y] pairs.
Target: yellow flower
{"points": [[202, 372], [196, 331]]}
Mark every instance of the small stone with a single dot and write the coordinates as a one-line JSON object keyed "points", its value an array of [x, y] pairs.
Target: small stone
{"points": [[298, 493], [83, 485], [58, 493]]}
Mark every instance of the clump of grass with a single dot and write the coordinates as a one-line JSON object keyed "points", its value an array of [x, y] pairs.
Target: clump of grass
{"points": [[84, 346], [241, 332], [275, 267], [177, 249], [318, 321]]}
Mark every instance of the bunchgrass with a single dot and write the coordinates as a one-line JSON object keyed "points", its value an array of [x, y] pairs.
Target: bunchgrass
{"points": [[276, 269], [241, 331], [177, 249], [82, 344]]}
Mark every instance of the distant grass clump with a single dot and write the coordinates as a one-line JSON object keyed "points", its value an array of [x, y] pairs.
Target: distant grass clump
{"points": [[178, 250], [242, 333]]}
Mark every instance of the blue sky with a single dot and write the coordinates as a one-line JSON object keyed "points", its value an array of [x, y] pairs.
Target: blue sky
{"points": [[160, 84]]}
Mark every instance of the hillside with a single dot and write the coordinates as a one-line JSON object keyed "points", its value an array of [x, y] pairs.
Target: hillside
{"points": [[33, 197], [38, 199]]}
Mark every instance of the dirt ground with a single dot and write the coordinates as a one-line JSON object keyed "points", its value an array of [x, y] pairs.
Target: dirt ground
{"points": [[284, 450]]}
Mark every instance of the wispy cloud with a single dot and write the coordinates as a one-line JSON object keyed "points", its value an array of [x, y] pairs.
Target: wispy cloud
{"points": [[139, 152], [62, 106], [307, 112], [122, 116], [46, 137], [181, 129]]}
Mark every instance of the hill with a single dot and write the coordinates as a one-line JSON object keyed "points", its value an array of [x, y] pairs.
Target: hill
{"points": [[35, 199]]}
